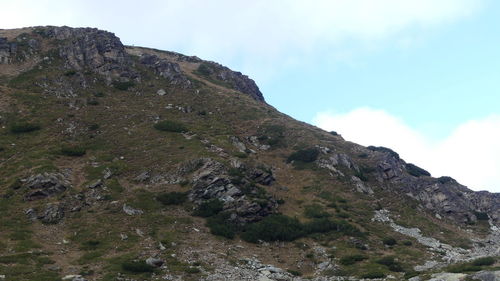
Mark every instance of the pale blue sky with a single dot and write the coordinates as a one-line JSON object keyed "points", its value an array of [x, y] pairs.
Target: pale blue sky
{"points": [[419, 76]]}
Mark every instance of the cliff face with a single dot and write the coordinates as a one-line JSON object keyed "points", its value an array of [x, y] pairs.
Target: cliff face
{"points": [[118, 160]]}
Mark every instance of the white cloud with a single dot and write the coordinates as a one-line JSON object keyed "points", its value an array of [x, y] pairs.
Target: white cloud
{"points": [[258, 32], [470, 154]]}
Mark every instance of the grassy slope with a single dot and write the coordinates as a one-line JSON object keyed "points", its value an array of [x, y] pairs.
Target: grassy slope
{"points": [[126, 143]]}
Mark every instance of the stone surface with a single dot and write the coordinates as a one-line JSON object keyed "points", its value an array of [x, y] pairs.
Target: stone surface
{"points": [[45, 185]]}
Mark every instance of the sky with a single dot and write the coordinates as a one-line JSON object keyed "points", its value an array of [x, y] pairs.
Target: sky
{"points": [[418, 76]]}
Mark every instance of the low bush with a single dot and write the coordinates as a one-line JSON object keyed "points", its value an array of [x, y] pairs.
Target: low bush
{"points": [[192, 270], [416, 171], [352, 259], [384, 150], [70, 73], [486, 261], [373, 275], [389, 241], [170, 126], [209, 208], [273, 228], [304, 155], [137, 267], [282, 228], [172, 198], [482, 216], [221, 226], [315, 211], [391, 263], [123, 86], [23, 127], [294, 272], [204, 69], [74, 151]]}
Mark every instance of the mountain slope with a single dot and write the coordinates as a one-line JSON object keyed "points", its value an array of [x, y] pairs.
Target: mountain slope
{"points": [[112, 156]]}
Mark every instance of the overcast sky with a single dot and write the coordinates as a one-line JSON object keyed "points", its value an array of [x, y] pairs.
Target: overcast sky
{"points": [[418, 76]]}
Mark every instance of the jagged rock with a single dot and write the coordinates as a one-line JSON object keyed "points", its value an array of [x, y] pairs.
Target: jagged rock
{"points": [[7, 51], [161, 92], [144, 176], [52, 214], [235, 79], [166, 69], [486, 275], [238, 143], [210, 180], [131, 211], [154, 262], [254, 140], [107, 173], [95, 184], [74, 277], [448, 277], [45, 185], [360, 186]]}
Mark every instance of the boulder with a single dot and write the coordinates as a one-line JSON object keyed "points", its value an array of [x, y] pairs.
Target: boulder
{"points": [[45, 185]]}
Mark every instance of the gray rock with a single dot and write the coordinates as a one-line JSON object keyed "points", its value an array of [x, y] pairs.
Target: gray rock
{"points": [[45, 185], [166, 69], [144, 176], [131, 211], [161, 92], [52, 214], [95, 184], [486, 275], [154, 262]]}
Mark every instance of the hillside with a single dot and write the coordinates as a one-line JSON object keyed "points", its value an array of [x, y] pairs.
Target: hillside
{"points": [[130, 163]]}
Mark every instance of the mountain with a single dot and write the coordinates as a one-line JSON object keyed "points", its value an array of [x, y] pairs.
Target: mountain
{"points": [[131, 163]]}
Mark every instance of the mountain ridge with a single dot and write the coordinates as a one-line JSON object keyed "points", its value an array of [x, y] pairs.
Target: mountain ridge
{"points": [[223, 141]]}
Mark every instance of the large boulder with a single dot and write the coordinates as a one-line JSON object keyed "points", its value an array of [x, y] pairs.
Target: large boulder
{"points": [[45, 185]]}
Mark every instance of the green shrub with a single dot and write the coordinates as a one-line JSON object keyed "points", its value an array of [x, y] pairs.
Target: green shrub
{"points": [[273, 228], [352, 259], [241, 154], [209, 208], [137, 267], [93, 127], [315, 211], [23, 127], [391, 263], [389, 241], [384, 150], [99, 94], [373, 275], [482, 216], [407, 243], [416, 171], [123, 86], [172, 198], [294, 272], [204, 69], [486, 261], [333, 133], [221, 226], [170, 126], [92, 102], [70, 73], [304, 155], [459, 268], [74, 151]]}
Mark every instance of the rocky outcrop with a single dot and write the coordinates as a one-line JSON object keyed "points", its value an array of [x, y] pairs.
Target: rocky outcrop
{"points": [[45, 185], [234, 79], [443, 196], [90, 49], [235, 187], [7, 51], [166, 69]]}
